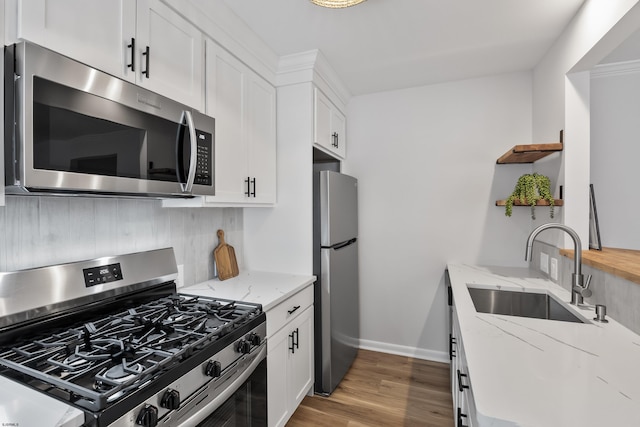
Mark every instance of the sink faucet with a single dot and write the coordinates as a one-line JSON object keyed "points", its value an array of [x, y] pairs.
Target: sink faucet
{"points": [[579, 289]]}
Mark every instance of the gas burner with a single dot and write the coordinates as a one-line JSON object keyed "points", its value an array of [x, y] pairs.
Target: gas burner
{"points": [[122, 373], [176, 317], [75, 363], [116, 376], [106, 348]]}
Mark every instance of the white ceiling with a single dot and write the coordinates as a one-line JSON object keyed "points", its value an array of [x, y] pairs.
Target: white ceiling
{"points": [[629, 50], [390, 44]]}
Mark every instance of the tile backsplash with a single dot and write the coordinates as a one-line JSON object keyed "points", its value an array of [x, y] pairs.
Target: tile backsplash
{"points": [[43, 230], [622, 297]]}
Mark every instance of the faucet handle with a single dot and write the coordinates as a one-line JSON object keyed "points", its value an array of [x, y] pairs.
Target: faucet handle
{"points": [[585, 291], [581, 289]]}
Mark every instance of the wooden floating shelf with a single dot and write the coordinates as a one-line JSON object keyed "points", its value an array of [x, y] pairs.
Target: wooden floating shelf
{"points": [[529, 153], [556, 202]]}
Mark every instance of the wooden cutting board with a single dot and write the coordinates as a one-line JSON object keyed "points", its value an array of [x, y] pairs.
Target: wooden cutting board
{"points": [[225, 257]]}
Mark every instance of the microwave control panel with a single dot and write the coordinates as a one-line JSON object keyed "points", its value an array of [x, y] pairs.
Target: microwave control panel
{"points": [[204, 173]]}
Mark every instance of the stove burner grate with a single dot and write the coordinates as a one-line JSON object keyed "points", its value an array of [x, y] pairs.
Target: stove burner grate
{"points": [[99, 361]]}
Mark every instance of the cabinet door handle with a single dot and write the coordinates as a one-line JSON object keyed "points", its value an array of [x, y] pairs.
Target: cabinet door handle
{"points": [[460, 417], [294, 343], [253, 193], [146, 54], [133, 54], [292, 347], [335, 139], [248, 192], [461, 386], [293, 310]]}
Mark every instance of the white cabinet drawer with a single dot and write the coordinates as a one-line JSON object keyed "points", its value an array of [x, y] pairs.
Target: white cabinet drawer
{"points": [[278, 316]]}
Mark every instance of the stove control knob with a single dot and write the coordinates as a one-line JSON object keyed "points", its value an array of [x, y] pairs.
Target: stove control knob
{"points": [[213, 369], [170, 399], [148, 416], [243, 346], [255, 339]]}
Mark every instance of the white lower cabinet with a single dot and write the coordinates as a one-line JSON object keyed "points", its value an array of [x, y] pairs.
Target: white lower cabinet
{"points": [[289, 355], [464, 411]]}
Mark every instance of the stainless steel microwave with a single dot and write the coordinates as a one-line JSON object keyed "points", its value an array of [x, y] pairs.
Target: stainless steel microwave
{"points": [[70, 128]]}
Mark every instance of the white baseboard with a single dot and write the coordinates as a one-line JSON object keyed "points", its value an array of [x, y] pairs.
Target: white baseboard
{"points": [[401, 350]]}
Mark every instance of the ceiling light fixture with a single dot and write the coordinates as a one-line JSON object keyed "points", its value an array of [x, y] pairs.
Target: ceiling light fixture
{"points": [[334, 4]]}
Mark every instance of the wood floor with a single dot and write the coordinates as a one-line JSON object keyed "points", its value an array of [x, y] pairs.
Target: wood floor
{"points": [[383, 390]]}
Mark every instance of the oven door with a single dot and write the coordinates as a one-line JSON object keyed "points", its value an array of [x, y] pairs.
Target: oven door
{"points": [[241, 401], [247, 407], [81, 130]]}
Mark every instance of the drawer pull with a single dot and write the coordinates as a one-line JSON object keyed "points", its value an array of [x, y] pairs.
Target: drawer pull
{"points": [[461, 386], [293, 310]]}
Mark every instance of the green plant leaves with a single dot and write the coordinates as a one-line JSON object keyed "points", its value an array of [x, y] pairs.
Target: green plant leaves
{"points": [[528, 190]]}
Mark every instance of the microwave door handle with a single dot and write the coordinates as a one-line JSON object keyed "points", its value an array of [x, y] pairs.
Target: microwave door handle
{"points": [[194, 152]]}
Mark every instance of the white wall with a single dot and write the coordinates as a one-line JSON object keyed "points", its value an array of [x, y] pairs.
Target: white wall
{"points": [[590, 36], [615, 131], [425, 159]]}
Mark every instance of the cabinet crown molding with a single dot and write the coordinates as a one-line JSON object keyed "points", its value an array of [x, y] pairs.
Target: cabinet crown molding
{"points": [[312, 66], [616, 69]]}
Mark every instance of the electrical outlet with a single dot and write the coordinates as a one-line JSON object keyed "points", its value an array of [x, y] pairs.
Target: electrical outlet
{"points": [[554, 268], [544, 262], [180, 279]]}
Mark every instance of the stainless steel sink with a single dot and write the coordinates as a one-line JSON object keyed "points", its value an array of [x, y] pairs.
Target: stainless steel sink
{"points": [[523, 304]]}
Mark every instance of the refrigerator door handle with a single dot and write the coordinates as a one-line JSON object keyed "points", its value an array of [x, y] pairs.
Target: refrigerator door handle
{"points": [[341, 245]]}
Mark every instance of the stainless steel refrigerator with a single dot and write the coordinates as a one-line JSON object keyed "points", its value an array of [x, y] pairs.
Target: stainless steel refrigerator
{"points": [[337, 314]]}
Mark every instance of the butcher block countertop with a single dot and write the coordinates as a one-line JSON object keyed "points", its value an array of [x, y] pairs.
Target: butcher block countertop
{"points": [[624, 263], [544, 373]]}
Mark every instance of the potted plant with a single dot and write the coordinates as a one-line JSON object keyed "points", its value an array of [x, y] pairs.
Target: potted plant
{"points": [[529, 189]]}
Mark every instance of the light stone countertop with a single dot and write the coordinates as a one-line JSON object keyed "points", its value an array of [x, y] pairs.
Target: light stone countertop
{"points": [[544, 373], [21, 406], [268, 289]]}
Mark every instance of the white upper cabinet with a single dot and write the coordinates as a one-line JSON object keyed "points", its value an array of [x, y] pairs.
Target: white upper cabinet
{"points": [[171, 52], [244, 106], [94, 32], [329, 126], [225, 101], [141, 41], [261, 138]]}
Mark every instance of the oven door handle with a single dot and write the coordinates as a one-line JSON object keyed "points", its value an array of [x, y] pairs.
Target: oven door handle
{"points": [[229, 389]]}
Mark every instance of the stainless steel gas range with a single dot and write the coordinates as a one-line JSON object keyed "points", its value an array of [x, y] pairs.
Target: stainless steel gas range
{"points": [[113, 339]]}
